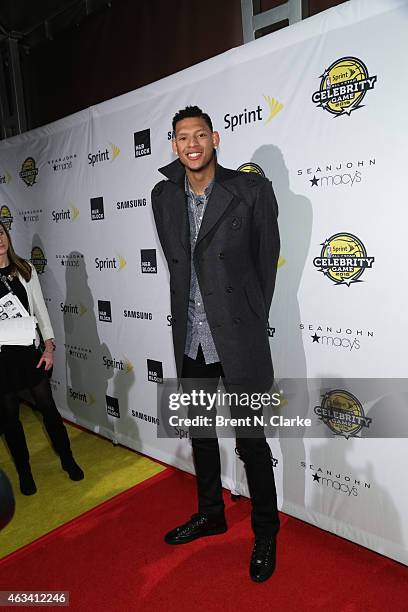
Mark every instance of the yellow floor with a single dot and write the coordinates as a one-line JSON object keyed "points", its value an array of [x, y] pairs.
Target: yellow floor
{"points": [[109, 470]]}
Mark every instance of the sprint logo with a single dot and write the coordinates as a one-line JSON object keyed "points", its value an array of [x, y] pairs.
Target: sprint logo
{"points": [[110, 263], [81, 396], [248, 116], [123, 365], [73, 309], [68, 214], [108, 154]]}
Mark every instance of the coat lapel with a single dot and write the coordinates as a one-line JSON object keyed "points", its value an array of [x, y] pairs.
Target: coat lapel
{"points": [[220, 199], [217, 204]]}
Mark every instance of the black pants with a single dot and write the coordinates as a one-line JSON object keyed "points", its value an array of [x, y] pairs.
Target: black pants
{"points": [[254, 452], [13, 429]]}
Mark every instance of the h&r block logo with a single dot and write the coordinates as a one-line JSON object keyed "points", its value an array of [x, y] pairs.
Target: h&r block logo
{"points": [[112, 406], [105, 312], [148, 261], [97, 210], [154, 371], [142, 143]]}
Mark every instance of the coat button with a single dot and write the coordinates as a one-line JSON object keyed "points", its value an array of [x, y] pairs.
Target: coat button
{"points": [[221, 255], [174, 260], [230, 289], [173, 292], [236, 320]]}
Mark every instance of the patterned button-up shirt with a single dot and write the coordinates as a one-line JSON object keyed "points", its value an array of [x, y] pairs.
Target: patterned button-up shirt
{"points": [[198, 330]]}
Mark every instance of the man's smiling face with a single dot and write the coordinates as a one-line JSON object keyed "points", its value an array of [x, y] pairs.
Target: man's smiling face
{"points": [[194, 143]]}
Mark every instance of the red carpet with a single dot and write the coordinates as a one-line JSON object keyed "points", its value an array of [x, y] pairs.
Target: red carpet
{"points": [[114, 558]]}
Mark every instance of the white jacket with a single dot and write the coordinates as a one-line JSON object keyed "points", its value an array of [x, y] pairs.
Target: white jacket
{"points": [[37, 305]]}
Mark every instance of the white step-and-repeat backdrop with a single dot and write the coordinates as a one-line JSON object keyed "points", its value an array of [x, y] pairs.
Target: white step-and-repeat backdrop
{"points": [[320, 109]]}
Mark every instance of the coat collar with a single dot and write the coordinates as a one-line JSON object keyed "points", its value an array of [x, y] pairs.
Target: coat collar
{"points": [[175, 172]]}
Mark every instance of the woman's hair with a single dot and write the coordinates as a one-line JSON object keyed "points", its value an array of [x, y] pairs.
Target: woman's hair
{"points": [[18, 264]]}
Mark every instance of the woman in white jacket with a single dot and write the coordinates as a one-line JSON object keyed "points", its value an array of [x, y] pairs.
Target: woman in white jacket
{"points": [[26, 367]]}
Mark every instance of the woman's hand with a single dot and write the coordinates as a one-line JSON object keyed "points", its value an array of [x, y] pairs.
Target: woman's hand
{"points": [[47, 358]]}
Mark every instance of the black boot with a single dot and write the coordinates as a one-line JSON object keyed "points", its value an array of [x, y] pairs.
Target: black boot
{"points": [[73, 469], [17, 444], [27, 484], [59, 438]]}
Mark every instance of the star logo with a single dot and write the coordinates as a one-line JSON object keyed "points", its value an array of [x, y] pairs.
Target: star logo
{"points": [[314, 181], [316, 477], [316, 338]]}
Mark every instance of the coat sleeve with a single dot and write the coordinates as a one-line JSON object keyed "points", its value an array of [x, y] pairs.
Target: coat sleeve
{"points": [[157, 217], [40, 309], [266, 241]]}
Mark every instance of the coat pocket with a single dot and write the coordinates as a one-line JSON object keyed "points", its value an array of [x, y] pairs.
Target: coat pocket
{"points": [[254, 302]]}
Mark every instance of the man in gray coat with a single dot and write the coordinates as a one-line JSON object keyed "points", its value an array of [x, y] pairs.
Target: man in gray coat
{"points": [[219, 233]]}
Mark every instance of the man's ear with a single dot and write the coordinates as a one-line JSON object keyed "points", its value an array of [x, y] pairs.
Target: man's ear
{"points": [[215, 139], [174, 146]]}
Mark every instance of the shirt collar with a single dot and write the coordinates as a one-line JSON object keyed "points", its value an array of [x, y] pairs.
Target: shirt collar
{"points": [[189, 191]]}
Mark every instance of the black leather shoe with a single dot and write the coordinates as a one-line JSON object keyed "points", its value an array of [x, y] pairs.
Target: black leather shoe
{"points": [[27, 484], [199, 526], [73, 469], [263, 558]]}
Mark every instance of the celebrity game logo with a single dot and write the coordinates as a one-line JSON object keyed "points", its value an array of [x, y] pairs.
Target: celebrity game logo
{"points": [[29, 171], [343, 86], [343, 259], [251, 167], [342, 413], [38, 259], [6, 216]]}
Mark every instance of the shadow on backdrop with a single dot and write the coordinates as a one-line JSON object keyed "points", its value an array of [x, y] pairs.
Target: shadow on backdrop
{"points": [[295, 227], [87, 378]]}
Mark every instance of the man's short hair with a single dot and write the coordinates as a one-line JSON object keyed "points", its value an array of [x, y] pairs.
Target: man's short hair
{"points": [[191, 111]]}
